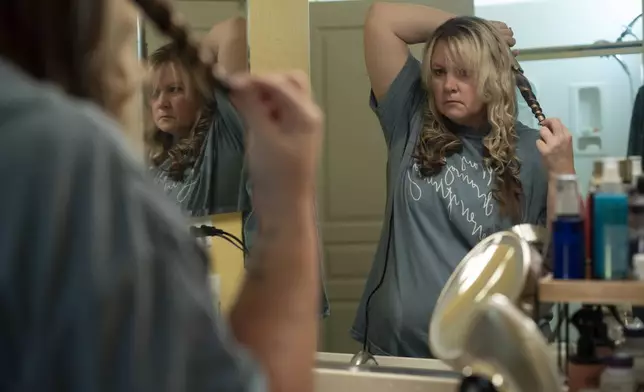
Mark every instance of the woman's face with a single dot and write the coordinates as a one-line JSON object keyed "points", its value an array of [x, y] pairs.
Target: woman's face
{"points": [[173, 102], [454, 90]]}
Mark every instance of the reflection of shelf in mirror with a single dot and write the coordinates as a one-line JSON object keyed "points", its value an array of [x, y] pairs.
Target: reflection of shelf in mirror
{"points": [[592, 291]]}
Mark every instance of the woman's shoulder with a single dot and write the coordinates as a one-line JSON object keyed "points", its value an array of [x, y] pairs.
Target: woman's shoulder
{"points": [[42, 125], [46, 108], [531, 160], [526, 137]]}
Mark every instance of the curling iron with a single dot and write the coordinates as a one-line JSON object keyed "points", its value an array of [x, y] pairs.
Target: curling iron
{"points": [[526, 91]]}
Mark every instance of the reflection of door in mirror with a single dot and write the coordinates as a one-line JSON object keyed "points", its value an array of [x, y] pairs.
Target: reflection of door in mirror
{"points": [[352, 185]]}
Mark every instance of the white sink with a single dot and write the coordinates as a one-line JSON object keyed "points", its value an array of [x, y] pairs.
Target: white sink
{"points": [[413, 363], [327, 380], [394, 374]]}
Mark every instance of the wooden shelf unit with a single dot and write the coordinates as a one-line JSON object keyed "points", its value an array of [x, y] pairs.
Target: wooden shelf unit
{"points": [[597, 292]]}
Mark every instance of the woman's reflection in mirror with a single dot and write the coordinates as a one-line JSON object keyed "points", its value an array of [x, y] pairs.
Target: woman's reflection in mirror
{"points": [[195, 140], [460, 167]]}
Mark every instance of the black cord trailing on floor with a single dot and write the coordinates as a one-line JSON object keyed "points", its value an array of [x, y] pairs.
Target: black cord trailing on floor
{"points": [[211, 231], [366, 347]]}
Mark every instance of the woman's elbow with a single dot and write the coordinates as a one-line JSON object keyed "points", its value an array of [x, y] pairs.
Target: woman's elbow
{"points": [[376, 12], [238, 26]]}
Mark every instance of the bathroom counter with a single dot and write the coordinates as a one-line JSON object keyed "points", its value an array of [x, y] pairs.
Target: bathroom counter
{"points": [[330, 380], [393, 374], [413, 363]]}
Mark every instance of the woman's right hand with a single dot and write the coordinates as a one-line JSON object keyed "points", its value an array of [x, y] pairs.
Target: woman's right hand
{"points": [[284, 133], [506, 32]]}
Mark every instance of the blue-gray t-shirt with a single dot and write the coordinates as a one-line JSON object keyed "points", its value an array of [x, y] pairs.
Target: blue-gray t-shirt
{"points": [[102, 288], [216, 182], [431, 223]]}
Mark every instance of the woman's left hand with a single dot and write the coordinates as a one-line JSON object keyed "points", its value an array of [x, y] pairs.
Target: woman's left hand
{"points": [[555, 147]]}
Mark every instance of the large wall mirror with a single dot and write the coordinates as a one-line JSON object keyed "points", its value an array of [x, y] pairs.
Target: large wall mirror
{"points": [[192, 137], [586, 68], [585, 65]]}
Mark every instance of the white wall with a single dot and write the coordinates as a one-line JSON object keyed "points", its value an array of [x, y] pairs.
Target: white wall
{"points": [[545, 23]]}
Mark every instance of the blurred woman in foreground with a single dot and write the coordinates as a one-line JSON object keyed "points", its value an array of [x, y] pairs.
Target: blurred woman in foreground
{"points": [[101, 286]]}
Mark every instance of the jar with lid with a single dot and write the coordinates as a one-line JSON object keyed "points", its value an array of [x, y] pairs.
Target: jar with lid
{"points": [[618, 375]]}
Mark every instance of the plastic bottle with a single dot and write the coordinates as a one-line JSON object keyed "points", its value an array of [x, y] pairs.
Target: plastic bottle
{"points": [[569, 260], [636, 167], [610, 226], [636, 221], [593, 186]]}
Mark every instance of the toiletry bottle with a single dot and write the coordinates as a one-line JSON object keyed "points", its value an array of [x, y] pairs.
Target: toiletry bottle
{"points": [[592, 188], [618, 375], [636, 167], [584, 368], [569, 260], [636, 221], [626, 174], [610, 226], [638, 266]]}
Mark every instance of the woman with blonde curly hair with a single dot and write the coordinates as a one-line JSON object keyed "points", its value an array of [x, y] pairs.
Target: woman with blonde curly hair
{"points": [[196, 142], [460, 167], [114, 296]]}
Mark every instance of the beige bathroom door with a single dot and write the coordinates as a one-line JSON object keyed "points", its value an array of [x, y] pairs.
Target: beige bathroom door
{"points": [[352, 178]]}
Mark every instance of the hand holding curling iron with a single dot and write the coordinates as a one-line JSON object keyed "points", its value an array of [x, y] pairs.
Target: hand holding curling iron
{"points": [[555, 147], [284, 128]]}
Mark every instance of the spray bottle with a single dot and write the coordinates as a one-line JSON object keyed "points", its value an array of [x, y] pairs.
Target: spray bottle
{"points": [[610, 226], [595, 180], [569, 258]]}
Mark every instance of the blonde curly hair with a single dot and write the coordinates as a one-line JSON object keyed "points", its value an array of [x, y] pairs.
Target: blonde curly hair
{"points": [[477, 47]]}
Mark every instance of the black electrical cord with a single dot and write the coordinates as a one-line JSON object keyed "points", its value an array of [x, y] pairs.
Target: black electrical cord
{"points": [[365, 340], [211, 231], [629, 29]]}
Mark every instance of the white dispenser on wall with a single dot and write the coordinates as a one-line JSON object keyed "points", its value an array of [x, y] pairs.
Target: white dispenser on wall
{"points": [[586, 125]]}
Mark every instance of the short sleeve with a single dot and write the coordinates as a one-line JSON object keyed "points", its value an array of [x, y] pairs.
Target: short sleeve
{"points": [[221, 173], [229, 119], [103, 288], [401, 102]]}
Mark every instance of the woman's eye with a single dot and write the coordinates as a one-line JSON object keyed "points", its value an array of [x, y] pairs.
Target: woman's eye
{"points": [[438, 72]]}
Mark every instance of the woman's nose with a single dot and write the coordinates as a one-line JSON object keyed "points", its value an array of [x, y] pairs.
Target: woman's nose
{"points": [[162, 101], [450, 83]]}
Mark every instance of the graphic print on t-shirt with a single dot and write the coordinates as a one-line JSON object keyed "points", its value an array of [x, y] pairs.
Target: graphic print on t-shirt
{"points": [[178, 190], [464, 186]]}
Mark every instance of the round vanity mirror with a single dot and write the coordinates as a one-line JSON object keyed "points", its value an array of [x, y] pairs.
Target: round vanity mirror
{"points": [[501, 263], [537, 236], [506, 347]]}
